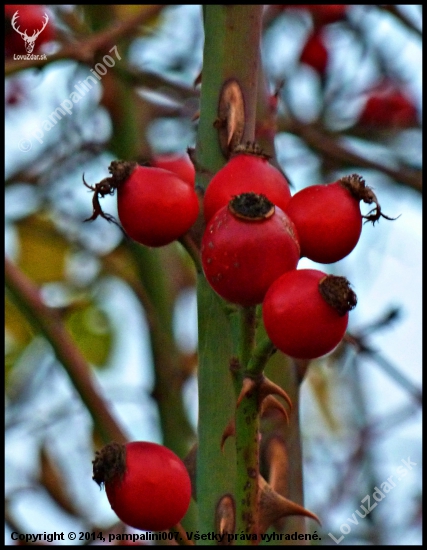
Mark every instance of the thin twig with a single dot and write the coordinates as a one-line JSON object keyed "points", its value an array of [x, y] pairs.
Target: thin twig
{"points": [[329, 146], [394, 10], [363, 348], [45, 319]]}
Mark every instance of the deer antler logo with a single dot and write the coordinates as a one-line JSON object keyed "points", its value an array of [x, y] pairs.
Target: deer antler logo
{"points": [[29, 40]]}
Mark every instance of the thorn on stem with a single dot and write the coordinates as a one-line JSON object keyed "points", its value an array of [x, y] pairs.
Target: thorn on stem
{"points": [[231, 116], [274, 506], [264, 387]]}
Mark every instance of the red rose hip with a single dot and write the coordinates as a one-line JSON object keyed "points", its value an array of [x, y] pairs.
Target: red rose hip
{"points": [[147, 485], [328, 217], [179, 164], [246, 172], [246, 246], [305, 312], [155, 206]]}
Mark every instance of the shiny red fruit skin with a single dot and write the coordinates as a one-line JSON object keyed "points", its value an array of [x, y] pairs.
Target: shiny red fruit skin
{"points": [[155, 491], [242, 258], [155, 206], [328, 221], [180, 165], [298, 320], [245, 173]]}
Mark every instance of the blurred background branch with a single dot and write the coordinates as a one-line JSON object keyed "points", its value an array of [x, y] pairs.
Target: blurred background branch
{"points": [[339, 91]]}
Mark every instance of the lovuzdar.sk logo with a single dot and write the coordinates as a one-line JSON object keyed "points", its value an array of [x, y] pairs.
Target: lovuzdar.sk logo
{"points": [[29, 40]]}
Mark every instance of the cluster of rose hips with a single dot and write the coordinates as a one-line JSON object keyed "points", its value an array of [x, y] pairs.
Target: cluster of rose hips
{"points": [[255, 234]]}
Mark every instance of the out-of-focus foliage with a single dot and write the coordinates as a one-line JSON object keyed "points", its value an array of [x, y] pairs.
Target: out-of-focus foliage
{"points": [[124, 82]]}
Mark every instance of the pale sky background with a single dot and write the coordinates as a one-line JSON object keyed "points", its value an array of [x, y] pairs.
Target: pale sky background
{"points": [[384, 269]]}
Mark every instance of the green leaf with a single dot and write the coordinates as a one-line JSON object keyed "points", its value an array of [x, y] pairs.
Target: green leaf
{"points": [[18, 334], [92, 331], [42, 250]]}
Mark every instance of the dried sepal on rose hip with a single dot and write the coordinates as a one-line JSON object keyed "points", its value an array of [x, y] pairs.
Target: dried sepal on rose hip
{"points": [[147, 485], [328, 217], [155, 206], [247, 171], [305, 312], [246, 246]]}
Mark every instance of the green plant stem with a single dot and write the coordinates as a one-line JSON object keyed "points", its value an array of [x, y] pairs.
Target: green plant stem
{"points": [[215, 469], [231, 51], [192, 249], [247, 434], [247, 465], [232, 38], [260, 355], [247, 335], [48, 322]]}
